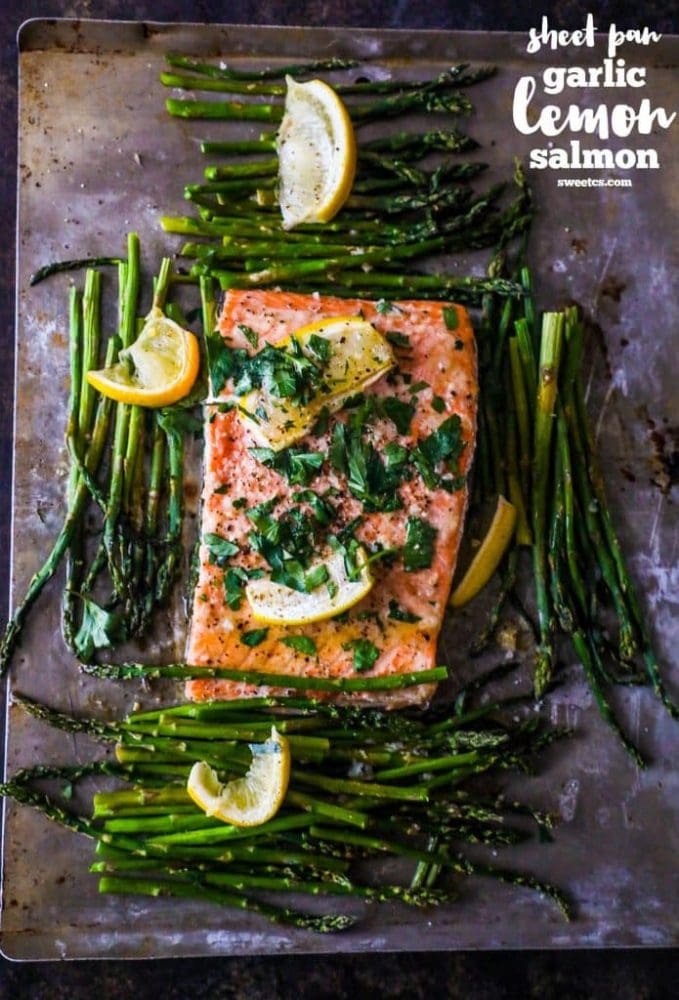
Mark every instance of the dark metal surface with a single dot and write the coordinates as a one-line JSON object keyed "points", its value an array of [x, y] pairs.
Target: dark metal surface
{"points": [[614, 849]]}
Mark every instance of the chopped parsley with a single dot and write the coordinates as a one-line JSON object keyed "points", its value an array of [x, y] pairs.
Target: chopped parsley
{"points": [[254, 637], [221, 490], [287, 543], [418, 387], [285, 372], [301, 644], [438, 404], [321, 509], [399, 412], [383, 306], [223, 361], [240, 503], [399, 614], [250, 335], [297, 465], [234, 581], [220, 549], [397, 339], [365, 653], [322, 422], [315, 577], [321, 347], [418, 550], [450, 318], [395, 455], [445, 444]]}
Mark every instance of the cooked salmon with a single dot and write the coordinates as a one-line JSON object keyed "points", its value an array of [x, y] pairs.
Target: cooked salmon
{"points": [[400, 619]]}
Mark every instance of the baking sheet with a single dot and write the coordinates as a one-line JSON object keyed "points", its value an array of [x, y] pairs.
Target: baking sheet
{"points": [[99, 156]]}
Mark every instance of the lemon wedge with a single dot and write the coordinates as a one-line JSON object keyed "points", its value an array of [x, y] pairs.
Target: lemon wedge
{"points": [[358, 355], [158, 369], [316, 153], [252, 799], [488, 555], [276, 604]]}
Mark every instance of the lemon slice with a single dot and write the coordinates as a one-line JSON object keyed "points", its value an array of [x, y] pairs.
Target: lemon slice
{"points": [[276, 604], [488, 555], [358, 356], [159, 368], [252, 799], [316, 153]]}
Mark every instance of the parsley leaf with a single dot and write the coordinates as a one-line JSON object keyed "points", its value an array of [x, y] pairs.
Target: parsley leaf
{"points": [[321, 347], [397, 339], [98, 628], [297, 465], [399, 614], [438, 404], [383, 306], [300, 643], [418, 550], [395, 455], [322, 510], [445, 444], [249, 334], [399, 412], [254, 637], [418, 387], [365, 653], [315, 577], [223, 361], [450, 317], [220, 549]]}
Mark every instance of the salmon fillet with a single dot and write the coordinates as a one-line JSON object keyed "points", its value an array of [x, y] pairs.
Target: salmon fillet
{"points": [[435, 372]]}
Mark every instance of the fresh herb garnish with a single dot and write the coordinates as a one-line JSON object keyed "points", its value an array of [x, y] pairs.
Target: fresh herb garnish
{"points": [[321, 347], [240, 503], [322, 422], [383, 306], [221, 490], [297, 465], [283, 372], [399, 412], [438, 404], [450, 317], [300, 643], [321, 509], [254, 637], [397, 339], [220, 549], [365, 653], [418, 550], [315, 577], [418, 387], [287, 543], [235, 579], [98, 627], [399, 614], [445, 444], [249, 334], [395, 456], [224, 362]]}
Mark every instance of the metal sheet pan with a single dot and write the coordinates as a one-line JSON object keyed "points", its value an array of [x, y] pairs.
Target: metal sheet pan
{"points": [[97, 157]]}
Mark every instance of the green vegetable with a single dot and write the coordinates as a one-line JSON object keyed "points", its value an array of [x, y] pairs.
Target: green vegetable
{"points": [[418, 551], [365, 653], [301, 644], [254, 637]]}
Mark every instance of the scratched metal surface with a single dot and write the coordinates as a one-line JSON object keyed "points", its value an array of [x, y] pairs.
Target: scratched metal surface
{"points": [[97, 157]]}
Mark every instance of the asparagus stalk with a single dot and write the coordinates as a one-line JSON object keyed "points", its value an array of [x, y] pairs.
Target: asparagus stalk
{"points": [[550, 354]]}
